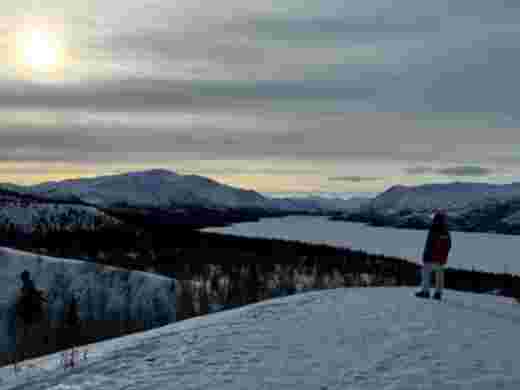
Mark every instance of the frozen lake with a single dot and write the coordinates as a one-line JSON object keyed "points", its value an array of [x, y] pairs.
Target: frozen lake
{"points": [[481, 251]]}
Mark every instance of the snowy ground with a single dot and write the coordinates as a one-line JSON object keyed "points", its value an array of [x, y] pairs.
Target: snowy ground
{"points": [[372, 338]]}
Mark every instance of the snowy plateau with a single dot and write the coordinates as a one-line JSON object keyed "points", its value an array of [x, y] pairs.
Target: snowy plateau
{"points": [[358, 338]]}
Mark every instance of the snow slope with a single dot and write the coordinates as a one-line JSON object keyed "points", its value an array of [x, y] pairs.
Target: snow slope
{"points": [[102, 292], [372, 338]]}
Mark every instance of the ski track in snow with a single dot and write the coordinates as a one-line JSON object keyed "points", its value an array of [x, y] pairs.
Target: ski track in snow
{"points": [[371, 338]]}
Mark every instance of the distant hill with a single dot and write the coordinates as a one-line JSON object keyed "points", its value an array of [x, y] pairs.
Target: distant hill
{"points": [[320, 205], [470, 207]]}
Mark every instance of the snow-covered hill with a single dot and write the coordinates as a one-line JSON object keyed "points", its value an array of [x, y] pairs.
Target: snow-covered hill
{"points": [[369, 338], [26, 214], [103, 293], [453, 196], [470, 207], [153, 188]]}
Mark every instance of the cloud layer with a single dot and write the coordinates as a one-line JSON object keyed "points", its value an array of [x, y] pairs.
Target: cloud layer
{"points": [[381, 80]]}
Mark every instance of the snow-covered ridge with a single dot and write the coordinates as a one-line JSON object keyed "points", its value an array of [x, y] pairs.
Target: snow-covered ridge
{"points": [[26, 214], [369, 338], [103, 293]]}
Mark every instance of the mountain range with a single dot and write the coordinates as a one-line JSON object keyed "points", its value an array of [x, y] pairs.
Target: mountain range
{"points": [[163, 188], [190, 200], [156, 196]]}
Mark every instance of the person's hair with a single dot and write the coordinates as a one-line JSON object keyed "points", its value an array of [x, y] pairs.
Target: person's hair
{"points": [[440, 223]]}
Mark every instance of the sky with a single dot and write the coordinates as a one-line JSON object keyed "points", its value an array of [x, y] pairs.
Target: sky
{"points": [[292, 96]]}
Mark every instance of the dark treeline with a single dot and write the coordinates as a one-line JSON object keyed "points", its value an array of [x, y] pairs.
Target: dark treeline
{"points": [[185, 254]]}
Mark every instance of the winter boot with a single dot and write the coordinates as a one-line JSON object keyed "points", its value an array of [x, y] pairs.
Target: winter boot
{"points": [[437, 295], [422, 294]]}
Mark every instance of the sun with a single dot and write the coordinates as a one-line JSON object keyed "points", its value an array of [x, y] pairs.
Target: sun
{"points": [[39, 53]]}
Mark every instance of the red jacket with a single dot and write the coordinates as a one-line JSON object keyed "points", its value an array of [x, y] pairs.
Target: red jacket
{"points": [[437, 248]]}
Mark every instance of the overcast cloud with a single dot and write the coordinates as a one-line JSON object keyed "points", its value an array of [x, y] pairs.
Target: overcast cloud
{"points": [[378, 80]]}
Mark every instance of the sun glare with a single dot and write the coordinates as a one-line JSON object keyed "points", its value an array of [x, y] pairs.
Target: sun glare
{"points": [[39, 53]]}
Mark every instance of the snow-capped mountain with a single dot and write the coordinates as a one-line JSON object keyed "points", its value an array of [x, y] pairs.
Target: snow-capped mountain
{"points": [[469, 206], [369, 338], [103, 293], [27, 213]]}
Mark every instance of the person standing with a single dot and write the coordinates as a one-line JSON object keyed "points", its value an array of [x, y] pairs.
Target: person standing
{"points": [[435, 256]]}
